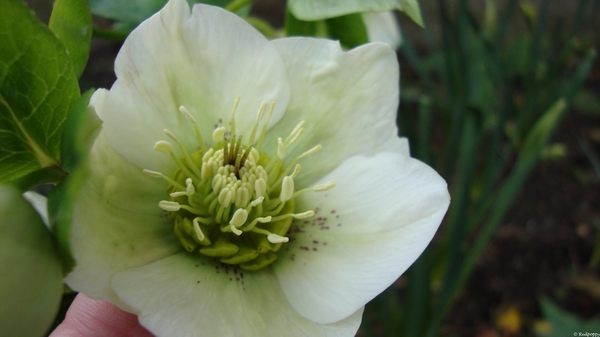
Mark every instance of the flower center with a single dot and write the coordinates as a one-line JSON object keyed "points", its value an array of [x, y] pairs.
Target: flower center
{"points": [[230, 201]]}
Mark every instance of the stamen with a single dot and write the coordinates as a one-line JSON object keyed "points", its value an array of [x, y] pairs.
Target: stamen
{"points": [[170, 206], [190, 189], [257, 220], [225, 197], [235, 230], [304, 215], [178, 194], [239, 217], [296, 171], [260, 187], [187, 114], [295, 133], [188, 159], [163, 146], [219, 134], [261, 110], [199, 137], [257, 202], [280, 149], [287, 189], [311, 151], [197, 229], [274, 238], [153, 174], [264, 129], [298, 134], [324, 187]]}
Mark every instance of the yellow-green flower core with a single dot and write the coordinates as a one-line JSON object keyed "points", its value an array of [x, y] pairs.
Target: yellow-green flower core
{"points": [[231, 201]]}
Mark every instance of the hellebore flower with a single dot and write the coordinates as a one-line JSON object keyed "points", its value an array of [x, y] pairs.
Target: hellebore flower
{"points": [[246, 187]]}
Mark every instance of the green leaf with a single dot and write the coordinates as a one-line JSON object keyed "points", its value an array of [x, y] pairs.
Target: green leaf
{"points": [[81, 129], [31, 284], [349, 29], [37, 89], [412, 9], [540, 133], [565, 324], [296, 27], [129, 14], [61, 201], [71, 21]]}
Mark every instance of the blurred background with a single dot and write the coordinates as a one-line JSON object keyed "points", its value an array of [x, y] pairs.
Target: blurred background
{"points": [[502, 98]]}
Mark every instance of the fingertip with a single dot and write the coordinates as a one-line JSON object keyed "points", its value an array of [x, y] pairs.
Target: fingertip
{"points": [[87, 317]]}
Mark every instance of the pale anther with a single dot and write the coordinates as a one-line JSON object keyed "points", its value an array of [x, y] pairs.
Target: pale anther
{"points": [[324, 187], [235, 230], [197, 229], [311, 151], [260, 187], [274, 238], [239, 217], [187, 114], [170, 135], [280, 149], [304, 215], [170, 206], [297, 128], [153, 174], [178, 194], [257, 202], [219, 134], [163, 146], [190, 189], [295, 133], [287, 188], [296, 171], [296, 136], [225, 197]]}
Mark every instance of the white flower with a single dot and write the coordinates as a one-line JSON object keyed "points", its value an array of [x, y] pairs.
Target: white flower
{"points": [[325, 236]]}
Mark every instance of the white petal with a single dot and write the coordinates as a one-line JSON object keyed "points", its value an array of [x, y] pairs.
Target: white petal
{"points": [[321, 9], [348, 100], [202, 60], [187, 295], [365, 233], [117, 223], [383, 27]]}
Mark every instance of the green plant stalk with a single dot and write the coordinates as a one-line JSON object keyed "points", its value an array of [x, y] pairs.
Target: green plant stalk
{"points": [[110, 34], [507, 17], [536, 140], [457, 215], [418, 296]]}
